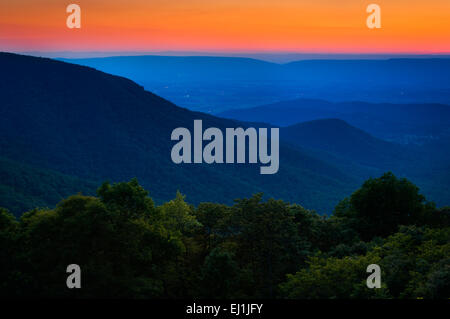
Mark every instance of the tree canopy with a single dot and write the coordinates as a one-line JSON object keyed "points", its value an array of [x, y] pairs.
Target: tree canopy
{"points": [[128, 247]]}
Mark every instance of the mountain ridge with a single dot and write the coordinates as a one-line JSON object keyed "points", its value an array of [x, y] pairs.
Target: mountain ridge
{"points": [[215, 84], [387, 121], [91, 125]]}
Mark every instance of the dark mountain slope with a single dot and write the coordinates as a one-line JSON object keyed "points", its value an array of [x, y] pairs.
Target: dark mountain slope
{"points": [[92, 125], [23, 187], [358, 151], [338, 137], [285, 113], [399, 122], [198, 82], [215, 84]]}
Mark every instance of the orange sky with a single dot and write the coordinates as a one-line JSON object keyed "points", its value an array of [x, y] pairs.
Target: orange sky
{"points": [[408, 26]]}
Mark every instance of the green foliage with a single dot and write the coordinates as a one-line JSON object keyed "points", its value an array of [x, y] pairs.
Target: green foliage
{"points": [[8, 233], [418, 259], [128, 247], [120, 256], [415, 264], [219, 276], [269, 245], [129, 199], [178, 216], [332, 278], [382, 204], [23, 187]]}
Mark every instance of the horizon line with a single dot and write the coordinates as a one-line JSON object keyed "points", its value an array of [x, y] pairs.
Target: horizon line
{"points": [[273, 56]]}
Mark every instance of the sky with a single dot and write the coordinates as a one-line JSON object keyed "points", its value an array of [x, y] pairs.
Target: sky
{"points": [[314, 26]]}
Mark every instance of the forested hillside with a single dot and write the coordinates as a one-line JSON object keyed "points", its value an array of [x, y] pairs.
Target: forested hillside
{"points": [[23, 187], [128, 247], [91, 126], [95, 126]]}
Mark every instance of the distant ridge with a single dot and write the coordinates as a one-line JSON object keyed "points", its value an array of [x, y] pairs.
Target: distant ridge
{"points": [[383, 120], [92, 125], [338, 137], [89, 125], [216, 84], [275, 57]]}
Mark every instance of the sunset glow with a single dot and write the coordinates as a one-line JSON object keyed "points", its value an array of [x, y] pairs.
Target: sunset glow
{"points": [[226, 26]]}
